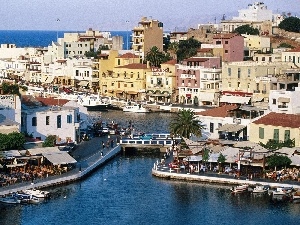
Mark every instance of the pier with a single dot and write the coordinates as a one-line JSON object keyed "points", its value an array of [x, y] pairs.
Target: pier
{"points": [[83, 169]]}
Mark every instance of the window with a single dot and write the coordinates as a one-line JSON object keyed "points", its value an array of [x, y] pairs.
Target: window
{"points": [[58, 121], [229, 71], [47, 120], [218, 42], [226, 42], [226, 51], [239, 72], [274, 101], [261, 133], [263, 59], [229, 84], [249, 72], [34, 122], [287, 135], [119, 62], [69, 118], [276, 135], [211, 127]]}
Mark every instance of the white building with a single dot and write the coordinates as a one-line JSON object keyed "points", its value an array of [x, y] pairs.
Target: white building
{"points": [[282, 101], [10, 107], [64, 122], [255, 12]]}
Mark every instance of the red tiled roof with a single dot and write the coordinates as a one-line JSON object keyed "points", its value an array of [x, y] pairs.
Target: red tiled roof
{"points": [[128, 55], [295, 50], [172, 62], [134, 66], [52, 101], [280, 119], [225, 36], [218, 112]]}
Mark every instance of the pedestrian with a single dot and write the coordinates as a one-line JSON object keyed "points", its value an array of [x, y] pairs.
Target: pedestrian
{"points": [[101, 153], [112, 143], [103, 145]]}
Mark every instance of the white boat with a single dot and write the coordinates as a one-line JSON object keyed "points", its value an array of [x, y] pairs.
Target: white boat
{"points": [[281, 191], [94, 103], [240, 189], [259, 189], [10, 199], [37, 193], [296, 196], [137, 108]]}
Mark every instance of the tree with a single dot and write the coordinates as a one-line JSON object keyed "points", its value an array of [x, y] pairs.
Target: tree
{"points": [[278, 161], [291, 24], [285, 45], [205, 155], [156, 57], [246, 29], [187, 48], [10, 88], [50, 141], [11, 141], [186, 124], [221, 160]]}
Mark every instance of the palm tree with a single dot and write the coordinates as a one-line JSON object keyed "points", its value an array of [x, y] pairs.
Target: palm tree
{"points": [[156, 57], [186, 124]]}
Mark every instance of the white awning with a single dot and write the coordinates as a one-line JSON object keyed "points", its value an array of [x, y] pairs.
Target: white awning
{"points": [[83, 83], [39, 151], [231, 127], [235, 99], [59, 158], [207, 97]]}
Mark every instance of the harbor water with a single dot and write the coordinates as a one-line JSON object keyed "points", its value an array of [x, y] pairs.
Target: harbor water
{"points": [[124, 192]]}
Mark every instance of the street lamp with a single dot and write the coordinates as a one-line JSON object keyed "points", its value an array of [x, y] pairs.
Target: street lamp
{"points": [[127, 21]]}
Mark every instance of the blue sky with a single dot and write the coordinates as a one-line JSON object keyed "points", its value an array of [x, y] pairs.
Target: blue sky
{"points": [[111, 15]]}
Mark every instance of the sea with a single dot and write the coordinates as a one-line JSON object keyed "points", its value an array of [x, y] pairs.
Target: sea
{"points": [[124, 191], [41, 38]]}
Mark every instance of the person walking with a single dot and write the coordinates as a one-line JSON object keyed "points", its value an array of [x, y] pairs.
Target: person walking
{"points": [[103, 145], [112, 143]]}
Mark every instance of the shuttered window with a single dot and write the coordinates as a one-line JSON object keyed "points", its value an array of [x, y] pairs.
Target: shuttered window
{"points": [[287, 135], [276, 135], [261, 133]]}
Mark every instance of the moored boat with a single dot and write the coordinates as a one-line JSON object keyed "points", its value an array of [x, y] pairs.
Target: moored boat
{"points": [[260, 189], [94, 103], [37, 193], [137, 108], [240, 189], [10, 199]]}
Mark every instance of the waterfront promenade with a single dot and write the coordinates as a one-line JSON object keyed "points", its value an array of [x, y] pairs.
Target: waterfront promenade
{"points": [[88, 156], [162, 170]]}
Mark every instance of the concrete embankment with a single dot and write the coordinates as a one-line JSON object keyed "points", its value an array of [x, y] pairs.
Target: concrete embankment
{"points": [[83, 169], [211, 179]]}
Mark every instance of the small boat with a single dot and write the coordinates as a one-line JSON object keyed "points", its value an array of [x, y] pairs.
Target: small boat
{"points": [[260, 189], [37, 193], [296, 196], [240, 189], [281, 191], [10, 199], [137, 108]]}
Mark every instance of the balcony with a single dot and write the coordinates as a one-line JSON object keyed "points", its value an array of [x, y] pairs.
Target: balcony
{"points": [[282, 106], [256, 91]]}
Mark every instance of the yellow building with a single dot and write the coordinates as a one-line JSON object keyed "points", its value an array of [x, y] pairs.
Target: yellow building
{"points": [[161, 83], [127, 81], [276, 126], [253, 77], [147, 34]]}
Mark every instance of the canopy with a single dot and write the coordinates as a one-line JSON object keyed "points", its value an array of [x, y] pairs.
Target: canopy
{"points": [[295, 160], [83, 83], [39, 151], [231, 127], [194, 146], [234, 99], [59, 158], [15, 165]]}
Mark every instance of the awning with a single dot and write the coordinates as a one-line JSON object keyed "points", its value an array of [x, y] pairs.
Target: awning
{"points": [[16, 165], [233, 128], [132, 93], [119, 91], [257, 99], [48, 80], [235, 99], [59, 158], [207, 96], [8, 130], [39, 151], [283, 99], [188, 95], [83, 83]]}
